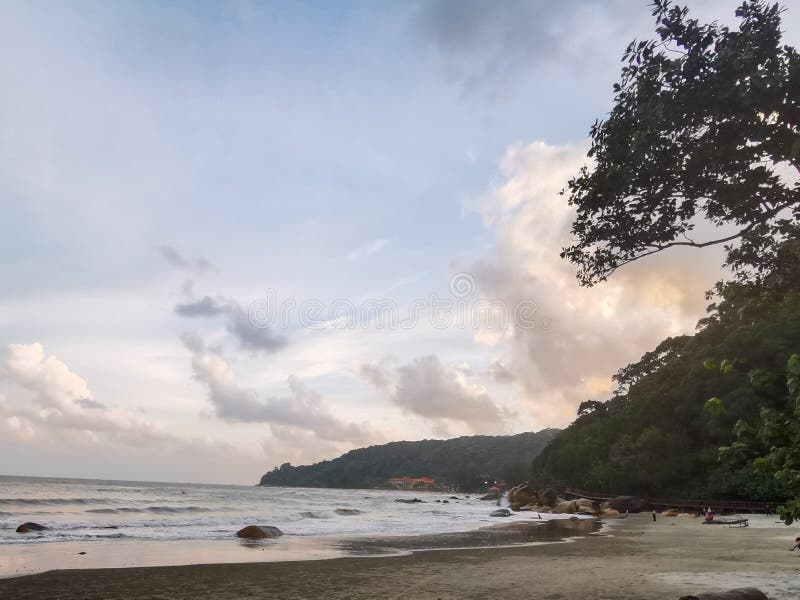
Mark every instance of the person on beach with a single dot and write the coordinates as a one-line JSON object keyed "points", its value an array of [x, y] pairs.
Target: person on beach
{"points": [[654, 515], [796, 545]]}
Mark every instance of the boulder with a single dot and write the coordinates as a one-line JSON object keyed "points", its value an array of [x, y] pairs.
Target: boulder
{"points": [[26, 527], [501, 512], [565, 507], [737, 594], [408, 500], [609, 512], [547, 497], [522, 494], [672, 512], [625, 503], [515, 506], [585, 503], [586, 510], [491, 496], [259, 532]]}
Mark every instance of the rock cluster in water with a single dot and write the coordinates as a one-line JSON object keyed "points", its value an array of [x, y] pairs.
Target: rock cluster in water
{"points": [[522, 497]]}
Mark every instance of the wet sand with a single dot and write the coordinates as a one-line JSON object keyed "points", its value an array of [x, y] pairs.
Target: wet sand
{"points": [[637, 559]]}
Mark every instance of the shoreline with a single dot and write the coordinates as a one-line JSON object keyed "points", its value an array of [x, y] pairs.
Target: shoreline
{"points": [[19, 560], [635, 559]]}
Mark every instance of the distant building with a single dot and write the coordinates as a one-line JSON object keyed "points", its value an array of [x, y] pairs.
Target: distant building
{"points": [[411, 483]]}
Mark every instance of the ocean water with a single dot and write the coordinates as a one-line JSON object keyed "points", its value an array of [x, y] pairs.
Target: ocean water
{"points": [[86, 510]]}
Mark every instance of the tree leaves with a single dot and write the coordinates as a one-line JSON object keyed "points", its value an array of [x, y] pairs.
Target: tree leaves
{"points": [[703, 118]]}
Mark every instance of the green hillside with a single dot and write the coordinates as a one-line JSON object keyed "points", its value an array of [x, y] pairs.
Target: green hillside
{"points": [[465, 462], [662, 432]]}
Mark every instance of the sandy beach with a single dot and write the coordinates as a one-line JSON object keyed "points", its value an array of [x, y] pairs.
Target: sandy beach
{"points": [[632, 558]]}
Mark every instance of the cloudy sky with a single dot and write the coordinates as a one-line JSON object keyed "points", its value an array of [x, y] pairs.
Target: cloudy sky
{"points": [[236, 234]]}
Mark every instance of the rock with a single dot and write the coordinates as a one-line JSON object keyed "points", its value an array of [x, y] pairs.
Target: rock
{"points": [[453, 497], [737, 594], [609, 512], [565, 507], [522, 494], [81, 552], [26, 527], [490, 496], [259, 532], [347, 512], [574, 518], [625, 503], [501, 512], [408, 500], [585, 503], [547, 497], [672, 512], [445, 501], [586, 510]]}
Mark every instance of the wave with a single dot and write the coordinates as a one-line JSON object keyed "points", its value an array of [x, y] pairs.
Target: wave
{"points": [[315, 515], [55, 501], [168, 510]]}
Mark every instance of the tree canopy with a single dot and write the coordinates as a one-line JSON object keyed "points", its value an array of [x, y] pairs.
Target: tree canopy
{"points": [[705, 126], [465, 462]]}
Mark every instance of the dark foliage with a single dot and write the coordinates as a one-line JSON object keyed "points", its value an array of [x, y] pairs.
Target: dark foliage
{"points": [[705, 120], [465, 462]]}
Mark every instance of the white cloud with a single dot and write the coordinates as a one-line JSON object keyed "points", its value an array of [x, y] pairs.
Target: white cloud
{"points": [[427, 388], [581, 336], [302, 408]]}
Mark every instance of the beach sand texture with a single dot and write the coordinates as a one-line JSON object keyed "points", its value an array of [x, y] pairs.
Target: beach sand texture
{"points": [[635, 559]]}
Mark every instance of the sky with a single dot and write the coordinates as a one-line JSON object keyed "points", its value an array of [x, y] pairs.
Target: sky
{"points": [[238, 234]]}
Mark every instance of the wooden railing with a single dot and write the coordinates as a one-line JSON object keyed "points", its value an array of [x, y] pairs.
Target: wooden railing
{"points": [[741, 506]]}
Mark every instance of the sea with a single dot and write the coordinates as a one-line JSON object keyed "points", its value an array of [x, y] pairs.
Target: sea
{"points": [[85, 510]]}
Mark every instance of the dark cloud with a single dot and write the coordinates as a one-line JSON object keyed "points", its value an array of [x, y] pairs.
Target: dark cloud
{"points": [[250, 336], [197, 264], [91, 404], [301, 408], [238, 322], [501, 373], [204, 307], [482, 41]]}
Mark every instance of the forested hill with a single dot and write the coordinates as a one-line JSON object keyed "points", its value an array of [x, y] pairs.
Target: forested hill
{"points": [[706, 415], [465, 462]]}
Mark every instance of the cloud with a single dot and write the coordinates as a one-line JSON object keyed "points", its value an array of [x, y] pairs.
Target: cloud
{"points": [[375, 374], [61, 399], [238, 322], [500, 373], [371, 248], [197, 264], [484, 42], [302, 408], [427, 388], [579, 336], [204, 307], [249, 336]]}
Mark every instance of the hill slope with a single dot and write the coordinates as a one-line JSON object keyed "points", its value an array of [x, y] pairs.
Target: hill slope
{"points": [[465, 462], [662, 433]]}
